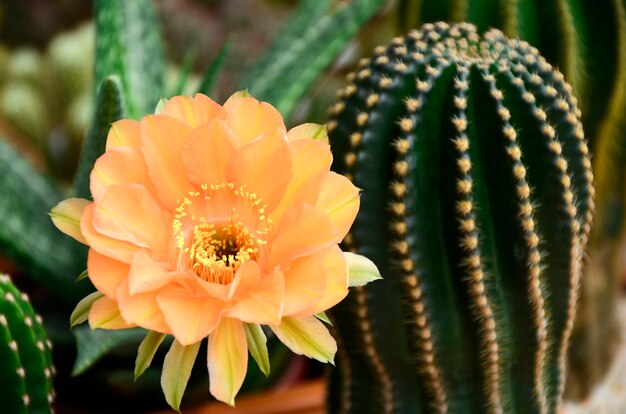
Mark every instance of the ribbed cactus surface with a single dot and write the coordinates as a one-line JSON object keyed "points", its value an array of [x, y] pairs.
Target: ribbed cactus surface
{"points": [[25, 361], [476, 207]]}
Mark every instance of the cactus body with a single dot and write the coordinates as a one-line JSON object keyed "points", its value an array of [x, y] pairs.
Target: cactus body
{"points": [[25, 360], [476, 207], [587, 41]]}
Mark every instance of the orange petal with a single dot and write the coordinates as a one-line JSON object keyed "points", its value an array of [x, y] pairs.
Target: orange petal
{"points": [[249, 118], [303, 231], [147, 274], [337, 279], [308, 131], [339, 198], [310, 164], [162, 141], [263, 167], [66, 217], [305, 284], [105, 245], [261, 302], [307, 336], [189, 317], [123, 133], [105, 273], [208, 151], [227, 359], [130, 212], [121, 165], [193, 111], [141, 309], [105, 314]]}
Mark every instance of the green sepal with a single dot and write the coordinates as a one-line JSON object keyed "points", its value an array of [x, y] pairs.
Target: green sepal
{"points": [[84, 274], [323, 317], [146, 352], [159, 108], [257, 344], [361, 270], [176, 371], [81, 312]]}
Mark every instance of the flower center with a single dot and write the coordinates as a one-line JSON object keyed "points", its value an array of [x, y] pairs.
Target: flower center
{"points": [[217, 253], [218, 229]]}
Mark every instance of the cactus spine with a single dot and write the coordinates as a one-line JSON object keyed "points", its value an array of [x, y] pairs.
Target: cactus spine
{"points": [[25, 361], [476, 206]]}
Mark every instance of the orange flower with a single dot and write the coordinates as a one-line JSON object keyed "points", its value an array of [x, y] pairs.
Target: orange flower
{"points": [[209, 220]]}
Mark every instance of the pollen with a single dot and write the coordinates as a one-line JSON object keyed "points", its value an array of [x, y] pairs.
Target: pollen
{"points": [[213, 246]]}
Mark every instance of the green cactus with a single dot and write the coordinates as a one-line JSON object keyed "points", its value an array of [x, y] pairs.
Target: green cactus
{"points": [[476, 207], [25, 361]]}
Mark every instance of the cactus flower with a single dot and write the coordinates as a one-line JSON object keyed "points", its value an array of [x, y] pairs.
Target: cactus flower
{"points": [[209, 221]]}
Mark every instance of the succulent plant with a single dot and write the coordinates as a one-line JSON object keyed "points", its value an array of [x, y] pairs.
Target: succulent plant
{"points": [[25, 361], [476, 207], [586, 40]]}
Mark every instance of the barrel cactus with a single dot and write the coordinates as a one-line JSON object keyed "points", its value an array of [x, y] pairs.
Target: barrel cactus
{"points": [[25, 361], [476, 207]]}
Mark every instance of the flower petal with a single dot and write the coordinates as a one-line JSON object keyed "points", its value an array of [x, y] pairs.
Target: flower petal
{"points": [[130, 212], [336, 282], [147, 274], [66, 217], [256, 298], [141, 309], [303, 231], [311, 161], [249, 118], [105, 245], [105, 273], [124, 133], [121, 165], [193, 111], [207, 152], [189, 317], [162, 141], [339, 198], [105, 314], [227, 359], [308, 131], [305, 284], [307, 336], [263, 167]]}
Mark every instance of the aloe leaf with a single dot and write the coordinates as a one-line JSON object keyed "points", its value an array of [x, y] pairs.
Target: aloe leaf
{"points": [[27, 235], [185, 70], [317, 33], [94, 344], [109, 108], [128, 44], [207, 84]]}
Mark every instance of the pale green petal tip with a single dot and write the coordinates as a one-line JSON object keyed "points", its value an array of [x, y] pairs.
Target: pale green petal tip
{"points": [[361, 270]]}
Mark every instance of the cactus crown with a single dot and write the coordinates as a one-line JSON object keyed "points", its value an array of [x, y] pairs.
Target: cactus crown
{"points": [[476, 206], [25, 361]]}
